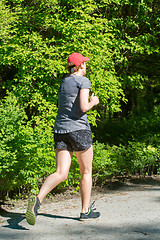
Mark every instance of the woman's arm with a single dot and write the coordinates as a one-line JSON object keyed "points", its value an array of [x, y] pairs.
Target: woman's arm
{"points": [[85, 104]]}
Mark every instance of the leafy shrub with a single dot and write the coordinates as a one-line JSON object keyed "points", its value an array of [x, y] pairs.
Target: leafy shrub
{"points": [[104, 166], [145, 158], [26, 154], [117, 161]]}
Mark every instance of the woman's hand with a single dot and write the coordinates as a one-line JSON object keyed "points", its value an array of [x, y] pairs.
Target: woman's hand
{"points": [[85, 104], [94, 99]]}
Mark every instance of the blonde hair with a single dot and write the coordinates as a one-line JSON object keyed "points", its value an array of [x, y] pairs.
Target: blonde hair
{"points": [[72, 68]]}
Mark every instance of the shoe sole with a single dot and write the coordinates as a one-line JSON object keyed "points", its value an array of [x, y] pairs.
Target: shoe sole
{"points": [[88, 219], [30, 215]]}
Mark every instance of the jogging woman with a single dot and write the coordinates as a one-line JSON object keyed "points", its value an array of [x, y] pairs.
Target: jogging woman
{"points": [[72, 132]]}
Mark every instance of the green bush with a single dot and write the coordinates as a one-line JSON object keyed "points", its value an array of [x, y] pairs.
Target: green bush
{"points": [[123, 161], [26, 154], [144, 157], [104, 166], [135, 142]]}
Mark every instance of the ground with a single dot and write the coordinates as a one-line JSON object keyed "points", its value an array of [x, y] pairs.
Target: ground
{"points": [[129, 211]]}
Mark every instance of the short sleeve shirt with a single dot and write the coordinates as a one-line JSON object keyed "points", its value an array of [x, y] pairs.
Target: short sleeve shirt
{"points": [[70, 116]]}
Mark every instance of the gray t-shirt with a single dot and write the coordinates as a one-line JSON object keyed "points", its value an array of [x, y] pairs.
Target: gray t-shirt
{"points": [[69, 116]]}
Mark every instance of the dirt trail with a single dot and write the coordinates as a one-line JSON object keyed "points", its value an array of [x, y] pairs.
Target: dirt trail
{"points": [[131, 212]]}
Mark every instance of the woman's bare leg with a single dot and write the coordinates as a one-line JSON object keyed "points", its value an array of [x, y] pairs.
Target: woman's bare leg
{"points": [[85, 163], [63, 158]]}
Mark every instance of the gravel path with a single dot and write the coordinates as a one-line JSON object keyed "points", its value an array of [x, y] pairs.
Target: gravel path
{"points": [[130, 213]]}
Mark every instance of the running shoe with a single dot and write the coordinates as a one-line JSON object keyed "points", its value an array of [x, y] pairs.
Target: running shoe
{"points": [[90, 215], [32, 210]]}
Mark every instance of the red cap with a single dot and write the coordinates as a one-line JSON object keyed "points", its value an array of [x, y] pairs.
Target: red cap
{"points": [[77, 58]]}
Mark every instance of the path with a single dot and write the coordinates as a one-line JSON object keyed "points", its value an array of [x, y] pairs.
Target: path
{"points": [[129, 213]]}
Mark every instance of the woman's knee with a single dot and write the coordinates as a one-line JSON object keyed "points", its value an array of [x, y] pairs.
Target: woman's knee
{"points": [[86, 171], [62, 175]]}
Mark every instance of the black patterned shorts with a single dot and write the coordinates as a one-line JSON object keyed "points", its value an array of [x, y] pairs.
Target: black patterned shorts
{"points": [[73, 141]]}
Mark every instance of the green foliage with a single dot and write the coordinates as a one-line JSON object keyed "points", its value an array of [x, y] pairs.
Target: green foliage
{"points": [[121, 38], [37, 42], [134, 146], [104, 166], [134, 158], [26, 154], [142, 128]]}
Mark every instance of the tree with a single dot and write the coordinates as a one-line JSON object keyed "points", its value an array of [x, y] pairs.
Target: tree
{"points": [[37, 43]]}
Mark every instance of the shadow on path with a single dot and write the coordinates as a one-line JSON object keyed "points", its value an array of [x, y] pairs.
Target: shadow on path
{"points": [[58, 217], [16, 218]]}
